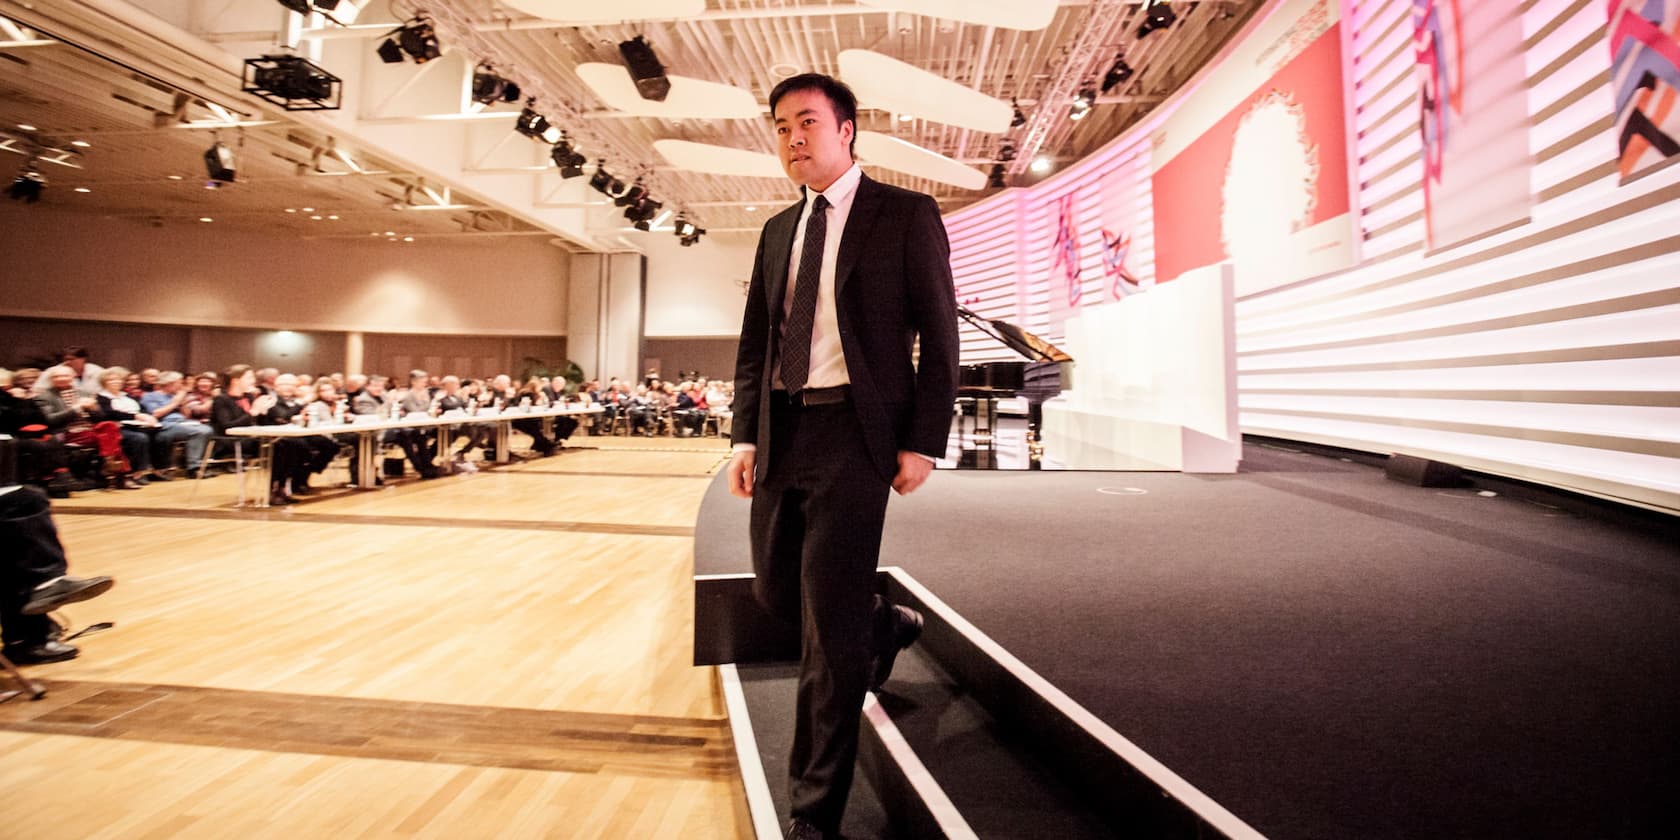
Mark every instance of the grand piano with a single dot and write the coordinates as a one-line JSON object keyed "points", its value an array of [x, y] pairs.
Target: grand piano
{"points": [[1045, 374]]}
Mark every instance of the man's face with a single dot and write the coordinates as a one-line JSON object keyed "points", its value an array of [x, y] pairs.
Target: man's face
{"points": [[814, 148], [149, 376], [61, 381], [375, 388], [286, 386], [170, 388], [77, 365]]}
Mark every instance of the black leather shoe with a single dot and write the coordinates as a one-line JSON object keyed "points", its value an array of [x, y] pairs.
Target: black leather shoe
{"points": [[798, 829], [65, 590], [41, 654], [907, 628]]}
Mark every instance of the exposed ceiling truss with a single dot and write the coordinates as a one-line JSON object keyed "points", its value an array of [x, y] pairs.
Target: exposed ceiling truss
{"points": [[410, 137]]}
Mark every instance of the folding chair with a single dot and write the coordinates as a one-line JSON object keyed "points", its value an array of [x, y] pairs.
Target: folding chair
{"points": [[239, 462], [26, 685]]}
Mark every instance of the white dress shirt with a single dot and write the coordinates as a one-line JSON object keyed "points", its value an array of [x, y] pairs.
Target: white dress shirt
{"points": [[828, 359]]}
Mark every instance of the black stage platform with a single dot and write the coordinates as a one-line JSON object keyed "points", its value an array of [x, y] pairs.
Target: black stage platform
{"points": [[1322, 651]]}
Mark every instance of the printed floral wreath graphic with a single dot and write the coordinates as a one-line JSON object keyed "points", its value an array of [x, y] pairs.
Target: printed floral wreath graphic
{"points": [[1238, 175]]}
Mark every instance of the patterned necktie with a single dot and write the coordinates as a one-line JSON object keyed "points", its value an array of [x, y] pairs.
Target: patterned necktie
{"points": [[796, 331]]}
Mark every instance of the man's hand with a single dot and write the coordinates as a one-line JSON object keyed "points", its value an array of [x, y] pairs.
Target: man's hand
{"points": [[913, 469], [741, 473]]}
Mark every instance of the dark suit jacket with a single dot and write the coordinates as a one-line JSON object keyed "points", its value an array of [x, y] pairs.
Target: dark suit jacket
{"points": [[892, 284]]}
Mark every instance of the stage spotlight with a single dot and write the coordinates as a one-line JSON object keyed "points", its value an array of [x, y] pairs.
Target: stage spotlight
{"points": [[692, 238], [645, 68], [1019, 119], [995, 180], [489, 88], [329, 9], [417, 39], [1042, 164], [1007, 153], [642, 212], [631, 195], [219, 162], [687, 232], [1157, 15], [1120, 72], [602, 179], [27, 187], [1082, 104], [569, 160], [530, 123], [292, 82]]}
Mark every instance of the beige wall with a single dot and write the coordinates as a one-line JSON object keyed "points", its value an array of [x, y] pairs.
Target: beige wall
{"points": [[64, 265], [693, 292], [714, 358]]}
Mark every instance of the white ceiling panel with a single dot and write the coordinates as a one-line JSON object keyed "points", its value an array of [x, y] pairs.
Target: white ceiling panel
{"points": [[889, 152], [688, 99], [887, 84], [719, 160], [1030, 15]]}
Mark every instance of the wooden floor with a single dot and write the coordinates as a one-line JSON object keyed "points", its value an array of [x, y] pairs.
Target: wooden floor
{"points": [[502, 655]]}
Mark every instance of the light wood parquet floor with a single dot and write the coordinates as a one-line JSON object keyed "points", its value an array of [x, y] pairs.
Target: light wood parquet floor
{"points": [[503, 654]]}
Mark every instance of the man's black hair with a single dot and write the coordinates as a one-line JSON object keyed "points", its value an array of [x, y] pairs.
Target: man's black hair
{"points": [[74, 352], [839, 96]]}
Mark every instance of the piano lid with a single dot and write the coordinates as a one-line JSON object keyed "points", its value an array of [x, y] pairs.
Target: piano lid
{"points": [[1017, 339]]}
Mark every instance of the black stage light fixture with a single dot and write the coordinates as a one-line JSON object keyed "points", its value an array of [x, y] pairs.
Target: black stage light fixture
{"points": [[994, 181], [1019, 119], [1007, 153], [683, 227], [692, 238], [417, 39], [531, 123], [1082, 104], [602, 179], [645, 68], [292, 82], [1157, 15], [218, 161], [569, 160], [27, 187], [489, 88], [1120, 72], [631, 195], [642, 212]]}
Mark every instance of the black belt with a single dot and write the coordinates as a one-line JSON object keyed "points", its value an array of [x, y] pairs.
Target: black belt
{"points": [[816, 396]]}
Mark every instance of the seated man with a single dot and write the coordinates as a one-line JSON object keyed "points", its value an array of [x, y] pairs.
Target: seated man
{"points": [[74, 419], [33, 580], [164, 402], [40, 458]]}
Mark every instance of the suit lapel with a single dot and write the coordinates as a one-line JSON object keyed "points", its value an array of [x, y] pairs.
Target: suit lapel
{"points": [[865, 208], [778, 251]]}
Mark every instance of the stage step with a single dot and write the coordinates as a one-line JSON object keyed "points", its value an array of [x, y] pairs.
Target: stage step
{"points": [[994, 779]]}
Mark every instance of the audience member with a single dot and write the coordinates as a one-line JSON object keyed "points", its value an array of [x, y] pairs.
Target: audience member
{"points": [[134, 425], [148, 379], [84, 374], [34, 579], [317, 451], [241, 404], [40, 458], [73, 417], [166, 403]]}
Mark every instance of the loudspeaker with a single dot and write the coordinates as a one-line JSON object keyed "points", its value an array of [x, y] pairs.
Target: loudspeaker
{"points": [[645, 68], [1423, 472]]}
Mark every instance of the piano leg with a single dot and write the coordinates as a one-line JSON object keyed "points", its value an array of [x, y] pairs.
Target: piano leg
{"points": [[1035, 446]]}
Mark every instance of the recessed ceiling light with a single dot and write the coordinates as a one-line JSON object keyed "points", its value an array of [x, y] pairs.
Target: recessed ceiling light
{"points": [[751, 209], [205, 219], [906, 117], [27, 127], [291, 209], [316, 218], [334, 218], [83, 189], [390, 233], [174, 177], [308, 209], [408, 239], [1042, 164], [375, 233], [80, 144]]}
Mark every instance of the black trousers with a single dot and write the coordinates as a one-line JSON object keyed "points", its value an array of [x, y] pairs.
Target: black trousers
{"points": [[816, 536], [30, 554]]}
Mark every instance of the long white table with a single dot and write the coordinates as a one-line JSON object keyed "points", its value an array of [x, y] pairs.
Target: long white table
{"points": [[367, 437]]}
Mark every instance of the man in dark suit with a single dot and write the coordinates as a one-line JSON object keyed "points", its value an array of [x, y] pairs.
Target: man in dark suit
{"points": [[831, 413]]}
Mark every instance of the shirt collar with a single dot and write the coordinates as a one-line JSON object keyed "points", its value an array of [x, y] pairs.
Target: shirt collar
{"points": [[843, 186]]}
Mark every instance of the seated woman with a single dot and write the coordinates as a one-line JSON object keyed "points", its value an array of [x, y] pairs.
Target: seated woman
{"points": [[240, 404], [531, 394], [74, 419], [318, 450], [202, 392], [134, 424]]}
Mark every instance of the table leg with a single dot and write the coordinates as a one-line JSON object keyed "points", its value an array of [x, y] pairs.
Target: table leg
{"points": [[367, 448], [265, 473], [440, 458], [504, 436]]}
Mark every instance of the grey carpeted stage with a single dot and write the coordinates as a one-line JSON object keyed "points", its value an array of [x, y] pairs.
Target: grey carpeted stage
{"points": [[1324, 652]]}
